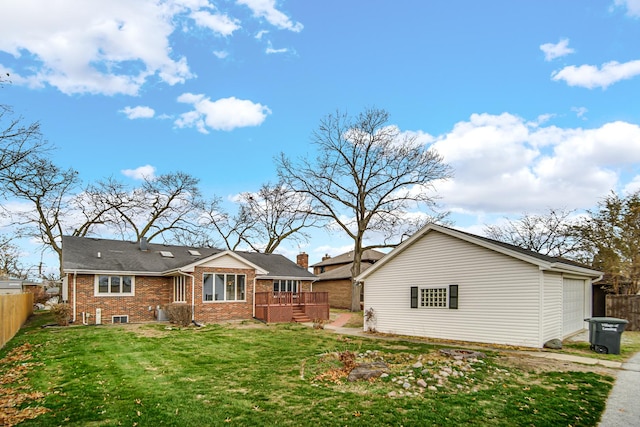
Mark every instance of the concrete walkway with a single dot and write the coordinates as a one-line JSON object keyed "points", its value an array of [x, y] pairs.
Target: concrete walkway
{"points": [[623, 405]]}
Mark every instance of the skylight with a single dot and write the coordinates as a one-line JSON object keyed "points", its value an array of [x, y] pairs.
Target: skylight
{"points": [[166, 254], [194, 252]]}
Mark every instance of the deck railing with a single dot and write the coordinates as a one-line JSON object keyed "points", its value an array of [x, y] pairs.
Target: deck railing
{"points": [[279, 306]]}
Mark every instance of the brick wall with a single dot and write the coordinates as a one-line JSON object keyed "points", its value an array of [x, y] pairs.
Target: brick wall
{"points": [[339, 292], [149, 292], [154, 291], [216, 311]]}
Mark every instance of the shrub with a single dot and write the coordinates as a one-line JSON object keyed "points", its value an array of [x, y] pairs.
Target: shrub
{"points": [[61, 312], [179, 313]]}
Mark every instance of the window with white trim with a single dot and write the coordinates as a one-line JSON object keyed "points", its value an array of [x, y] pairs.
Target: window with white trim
{"points": [[114, 285], [434, 297], [120, 319], [179, 289], [285, 285], [223, 287]]}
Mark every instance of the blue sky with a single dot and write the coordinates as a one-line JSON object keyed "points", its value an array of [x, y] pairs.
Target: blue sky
{"points": [[533, 103]]}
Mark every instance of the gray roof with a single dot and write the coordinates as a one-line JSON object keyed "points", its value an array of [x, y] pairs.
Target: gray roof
{"points": [[347, 258], [89, 254], [342, 272]]}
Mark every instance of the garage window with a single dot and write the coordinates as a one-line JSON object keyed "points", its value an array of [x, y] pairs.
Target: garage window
{"points": [[434, 297]]}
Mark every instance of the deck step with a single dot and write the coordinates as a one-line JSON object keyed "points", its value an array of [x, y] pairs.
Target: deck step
{"points": [[299, 316]]}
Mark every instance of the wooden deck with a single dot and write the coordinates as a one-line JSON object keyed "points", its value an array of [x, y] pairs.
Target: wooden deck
{"points": [[273, 307]]}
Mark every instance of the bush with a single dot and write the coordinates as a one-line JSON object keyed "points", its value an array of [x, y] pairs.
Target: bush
{"points": [[62, 313], [179, 313]]}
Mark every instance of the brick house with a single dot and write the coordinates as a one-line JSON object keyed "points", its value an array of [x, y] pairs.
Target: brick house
{"points": [[111, 281], [334, 276]]}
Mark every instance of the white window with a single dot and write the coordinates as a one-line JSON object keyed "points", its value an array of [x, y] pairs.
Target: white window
{"points": [[179, 289], [433, 297], [119, 319], [223, 287], [114, 285], [285, 286]]}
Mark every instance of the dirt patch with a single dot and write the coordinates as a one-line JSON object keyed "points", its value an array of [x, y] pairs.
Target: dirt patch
{"points": [[540, 364]]}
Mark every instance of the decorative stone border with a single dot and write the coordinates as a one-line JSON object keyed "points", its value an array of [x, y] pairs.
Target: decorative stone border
{"points": [[460, 354]]}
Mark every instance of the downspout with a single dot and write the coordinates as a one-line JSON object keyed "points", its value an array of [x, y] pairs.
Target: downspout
{"points": [[253, 303], [75, 296]]}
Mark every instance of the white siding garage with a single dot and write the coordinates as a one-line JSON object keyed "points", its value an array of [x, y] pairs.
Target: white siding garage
{"points": [[447, 284], [573, 306]]}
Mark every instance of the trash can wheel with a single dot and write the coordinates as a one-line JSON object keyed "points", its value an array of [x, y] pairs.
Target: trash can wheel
{"points": [[601, 349]]}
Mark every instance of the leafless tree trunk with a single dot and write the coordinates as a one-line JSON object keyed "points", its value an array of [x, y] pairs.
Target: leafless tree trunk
{"points": [[365, 177]]}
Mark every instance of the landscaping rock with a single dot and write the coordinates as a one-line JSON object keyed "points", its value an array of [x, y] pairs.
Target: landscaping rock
{"points": [[421, 383], [554, 344], [460, 354], [365, 371]]}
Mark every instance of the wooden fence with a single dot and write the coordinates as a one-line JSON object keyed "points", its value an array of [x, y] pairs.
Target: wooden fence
{"points": [[14, 311], [625, 307]]}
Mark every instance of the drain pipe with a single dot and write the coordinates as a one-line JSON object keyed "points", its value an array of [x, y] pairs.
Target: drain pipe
{"points": [[75, 296]]}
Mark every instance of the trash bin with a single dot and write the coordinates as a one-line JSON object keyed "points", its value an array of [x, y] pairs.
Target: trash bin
{"points": [[605, 333]]}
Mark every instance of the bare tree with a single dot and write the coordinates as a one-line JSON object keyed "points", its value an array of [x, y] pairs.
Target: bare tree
{"points": [[18, 141], [166, 206], [550, 233], [47, 189], [277, 213], [611, 236], [365, 177], [10, 264]]}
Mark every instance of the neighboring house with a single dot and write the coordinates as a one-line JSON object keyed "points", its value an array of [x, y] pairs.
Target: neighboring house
{"points": [[111, 281], [334, 276], [448, 284], [10, 286]]}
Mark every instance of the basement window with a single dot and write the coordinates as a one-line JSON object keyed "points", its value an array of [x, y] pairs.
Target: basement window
{"points": [[120, 319]]}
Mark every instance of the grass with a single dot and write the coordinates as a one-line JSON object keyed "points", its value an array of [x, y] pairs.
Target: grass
{"points": [[629, 345], [286, 374]]}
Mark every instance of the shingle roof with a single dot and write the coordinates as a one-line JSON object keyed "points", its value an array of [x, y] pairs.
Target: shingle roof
{"points": [[342, 272], [89, 254], [368, 255]]}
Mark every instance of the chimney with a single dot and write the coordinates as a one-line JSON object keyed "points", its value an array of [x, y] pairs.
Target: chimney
{"points": [[303, 260], [326, 257], [144, 245]]}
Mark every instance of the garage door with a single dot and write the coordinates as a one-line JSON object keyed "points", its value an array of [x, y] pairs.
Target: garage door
{"points": [[573, 306]]}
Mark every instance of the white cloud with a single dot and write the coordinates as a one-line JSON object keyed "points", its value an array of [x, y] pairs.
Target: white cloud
{"points": [[140, 173], [590, 76], [111, 47], [220, 54], [504, 164], [222, 114], [261, 33], [632, 6], [221, 24], [580, 112], [93, 47], [267, 9], [553, 51], [632, 186], [139, 112], [271, 50]]}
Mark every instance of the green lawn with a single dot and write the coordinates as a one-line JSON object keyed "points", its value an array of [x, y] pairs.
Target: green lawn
{"points": [[287, 375]]}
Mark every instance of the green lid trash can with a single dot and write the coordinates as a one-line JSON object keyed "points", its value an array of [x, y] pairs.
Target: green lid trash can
{"points": [[605, 334]]}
